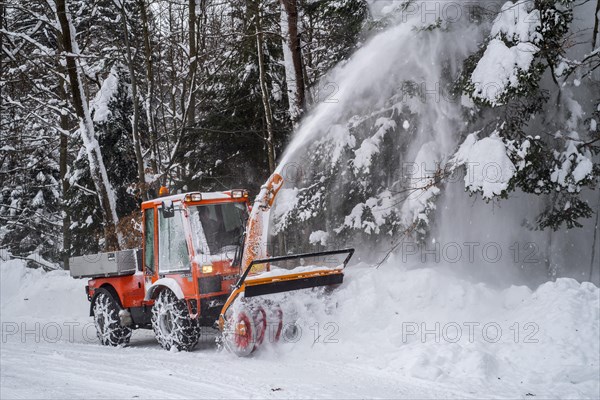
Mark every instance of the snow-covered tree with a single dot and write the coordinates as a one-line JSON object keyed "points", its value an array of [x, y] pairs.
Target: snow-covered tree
{"points": [[507, 91], [104, 190], [111, 111], [521, 74], [191, 69]]}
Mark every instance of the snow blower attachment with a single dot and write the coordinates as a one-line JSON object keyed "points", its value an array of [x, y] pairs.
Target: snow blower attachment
{"points": [[242, 321], [301, 277], [244, 318], [203, 262]]}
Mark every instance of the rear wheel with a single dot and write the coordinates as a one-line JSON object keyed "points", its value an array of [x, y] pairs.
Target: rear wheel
{"points": [[172, 323], [107, 321]]}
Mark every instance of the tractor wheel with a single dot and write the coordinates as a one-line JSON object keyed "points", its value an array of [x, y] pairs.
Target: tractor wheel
{"points": [[241, 332], [173, 326], [107, 321]]}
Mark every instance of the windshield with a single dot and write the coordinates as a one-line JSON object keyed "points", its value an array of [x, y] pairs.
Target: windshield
{"points": [[218, 228]]}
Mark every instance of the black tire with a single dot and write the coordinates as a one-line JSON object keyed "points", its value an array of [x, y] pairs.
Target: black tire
{"points": [[106, 319], [173, 327]]}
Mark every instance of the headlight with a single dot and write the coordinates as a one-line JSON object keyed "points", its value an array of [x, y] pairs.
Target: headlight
{"points": [[207, 269], [191, 197], [239, 193]]}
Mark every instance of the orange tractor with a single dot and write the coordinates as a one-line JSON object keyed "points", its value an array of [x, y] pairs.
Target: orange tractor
{"points": [[203, 263]]}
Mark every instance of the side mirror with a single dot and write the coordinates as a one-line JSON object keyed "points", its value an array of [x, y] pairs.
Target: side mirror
{"points": [[168, 211]]}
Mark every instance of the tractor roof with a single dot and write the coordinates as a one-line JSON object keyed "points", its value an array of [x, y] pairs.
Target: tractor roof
{"points": [[226, 195]]}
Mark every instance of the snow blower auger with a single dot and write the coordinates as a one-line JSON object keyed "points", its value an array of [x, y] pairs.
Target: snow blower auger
{"points": [[244, 319], [203, 262]]}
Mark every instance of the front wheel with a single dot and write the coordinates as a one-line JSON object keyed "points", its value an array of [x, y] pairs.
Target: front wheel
{"points": [[240, 333], [172, 323], [107, 321]]}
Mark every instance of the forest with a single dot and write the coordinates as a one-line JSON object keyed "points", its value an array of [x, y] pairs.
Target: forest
{"points": [[104, 101]]}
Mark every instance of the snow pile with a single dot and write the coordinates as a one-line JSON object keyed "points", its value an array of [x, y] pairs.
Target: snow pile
{"points": [[502, 66], [518, 22], [370, 215], [432, 325], [280, 271], [424, 324], [34, 293], [422, 184], [370, 146], [99, 106], [488, 168], [318, 237], [573, 166], [286, 201]]}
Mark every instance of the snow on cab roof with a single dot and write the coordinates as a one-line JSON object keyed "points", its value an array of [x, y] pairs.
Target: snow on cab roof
{"points": [[180, 196]]}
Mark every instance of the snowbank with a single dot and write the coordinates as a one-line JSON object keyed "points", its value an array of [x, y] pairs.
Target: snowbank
{"points": [[34, 293], [400, 324], [429, 324]]}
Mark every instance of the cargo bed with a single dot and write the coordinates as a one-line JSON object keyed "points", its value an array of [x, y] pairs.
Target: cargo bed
{"points": [[116, 263]]}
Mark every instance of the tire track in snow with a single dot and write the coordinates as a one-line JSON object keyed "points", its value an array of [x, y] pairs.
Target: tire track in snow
{"points": [[75, 370]]}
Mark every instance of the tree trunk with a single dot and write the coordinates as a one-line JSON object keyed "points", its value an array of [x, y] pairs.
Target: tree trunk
{"points": [[595, 237], [86, 127], [193, 62], [595, 32], [174, 81], [155, 158], [137, 145], [264, 91], [292, 53], [63, 166], [66, 228], [2, 26], [308, 62]]}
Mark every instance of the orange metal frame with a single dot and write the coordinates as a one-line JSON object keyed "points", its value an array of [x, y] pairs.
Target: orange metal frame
{"points": [[261, 281]]}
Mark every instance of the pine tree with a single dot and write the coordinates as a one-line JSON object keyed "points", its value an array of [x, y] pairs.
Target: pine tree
{"points": [[112, 111], [552, 158]]}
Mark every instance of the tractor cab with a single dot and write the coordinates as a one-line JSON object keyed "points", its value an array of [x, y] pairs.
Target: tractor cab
{"points": [[194, 240]]}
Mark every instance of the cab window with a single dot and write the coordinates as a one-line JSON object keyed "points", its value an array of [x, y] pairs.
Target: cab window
{"points": [[218, 228], [173, 252], [149, 240]]}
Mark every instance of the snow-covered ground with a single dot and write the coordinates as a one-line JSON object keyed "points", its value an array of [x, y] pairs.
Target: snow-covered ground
{"points": [[367, 339]]}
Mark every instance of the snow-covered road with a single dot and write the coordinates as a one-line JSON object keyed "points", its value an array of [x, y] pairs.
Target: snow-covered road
{"points": [[357, 344], [144, 370]]}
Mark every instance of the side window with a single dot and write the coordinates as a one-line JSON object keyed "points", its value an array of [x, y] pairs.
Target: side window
{"points": [[173, 252], [149, 240]]}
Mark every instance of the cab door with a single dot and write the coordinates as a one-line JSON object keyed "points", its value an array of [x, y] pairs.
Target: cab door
{"points": [[174, 248], [173, 251], [150, 246]]}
